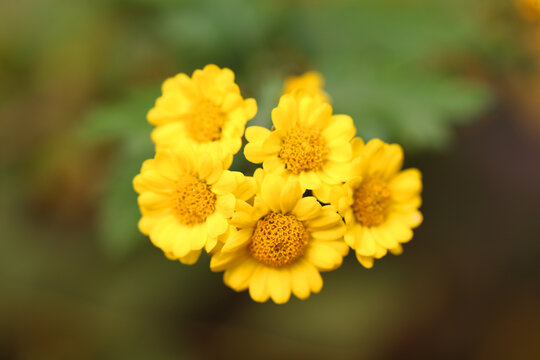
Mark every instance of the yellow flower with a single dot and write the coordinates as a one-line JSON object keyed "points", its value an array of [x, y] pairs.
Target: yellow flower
{"points": [[529, 9], [310, 83], [308, 143], [186, 199], [281, 243], [206, 109], [379, 203]]}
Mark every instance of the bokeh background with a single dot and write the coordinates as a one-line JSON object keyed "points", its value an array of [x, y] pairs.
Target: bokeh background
{"points": [[456, 82]]}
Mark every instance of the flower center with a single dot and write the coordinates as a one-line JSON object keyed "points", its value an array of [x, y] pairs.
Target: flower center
{"points": [[303, 150], [278, 240], [205, 121], [371, 201], [194, 200]]}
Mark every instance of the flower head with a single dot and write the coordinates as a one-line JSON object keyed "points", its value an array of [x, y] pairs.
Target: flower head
{"points": [[281, 243], [310, 83], [206, 110], [308, 143], [379, 203], [186, 199]]}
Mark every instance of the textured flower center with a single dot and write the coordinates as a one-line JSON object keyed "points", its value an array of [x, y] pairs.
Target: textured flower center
{"points": [[194, 200], [371, 201], [303, 150], [278, 240], [205, 121]]}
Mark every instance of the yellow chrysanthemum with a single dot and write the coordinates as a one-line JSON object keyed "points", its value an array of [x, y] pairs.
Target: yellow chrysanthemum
{"points": [[186, 199], [206, 110], [379, 203], [310, 83], [529, 9], [308, 143], [281, 244]]}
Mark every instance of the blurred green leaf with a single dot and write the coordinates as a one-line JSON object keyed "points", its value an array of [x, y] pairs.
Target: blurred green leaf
{"points": [[123, 123]]}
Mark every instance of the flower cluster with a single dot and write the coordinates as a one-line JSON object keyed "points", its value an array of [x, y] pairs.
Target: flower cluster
{"points": [[320, 190]]}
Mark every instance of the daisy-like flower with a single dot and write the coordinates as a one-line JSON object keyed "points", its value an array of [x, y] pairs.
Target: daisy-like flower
{"points": [[281, 243], [308, 143], [310, 83], [379, 203], [186, 199], [206, 110]]}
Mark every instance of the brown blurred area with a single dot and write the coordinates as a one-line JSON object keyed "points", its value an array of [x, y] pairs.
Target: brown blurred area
{"points": [[466, 287]]}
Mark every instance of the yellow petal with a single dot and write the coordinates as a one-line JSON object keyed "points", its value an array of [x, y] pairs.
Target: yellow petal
{"points": [[181, 246], [366, 261], [306, 208], [237, 239], [273, 164], [272, 144], [255, 153], [290, 194], [284, 117], [350, 236], [257, 134], [313, 277], [190, 258], [365, 242], [225, 205], [334, 233], [324, 257], [163, 233], [226, 183], [199, 236], [384, 237], [221, 261], [340, 130], [270, 190], [336, 172], [258, 284], [154, 201], [299, 284], [398, 250], [310, 180], [325, 220], [342, 152], [279, 283], [400, 231], [216, 225], [406, 184], [238, 277], [210, 244]]}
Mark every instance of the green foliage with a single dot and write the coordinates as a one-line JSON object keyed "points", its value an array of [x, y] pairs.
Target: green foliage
{"points": [[122, 123]]}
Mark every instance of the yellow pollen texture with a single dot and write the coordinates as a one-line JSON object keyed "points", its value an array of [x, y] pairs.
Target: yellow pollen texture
{"points": [[278, 240], [205, 121], [303, 149], [371, 201], [194, 201]]}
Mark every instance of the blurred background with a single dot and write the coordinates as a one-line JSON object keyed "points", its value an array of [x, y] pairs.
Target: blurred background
{"points": [[456, 82]]}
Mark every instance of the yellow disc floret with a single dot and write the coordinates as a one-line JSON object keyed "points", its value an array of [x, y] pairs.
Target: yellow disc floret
{"points": [[303, 149], [205, 122], [278, 240], [194, 200], [371, 201]]}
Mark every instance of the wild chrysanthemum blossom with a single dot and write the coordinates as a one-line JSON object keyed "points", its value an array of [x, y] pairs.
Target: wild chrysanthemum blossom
{"points": [[206, 110], [281, 243], [380, 202], [186, 199], [308, 143], [310, 83]]}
